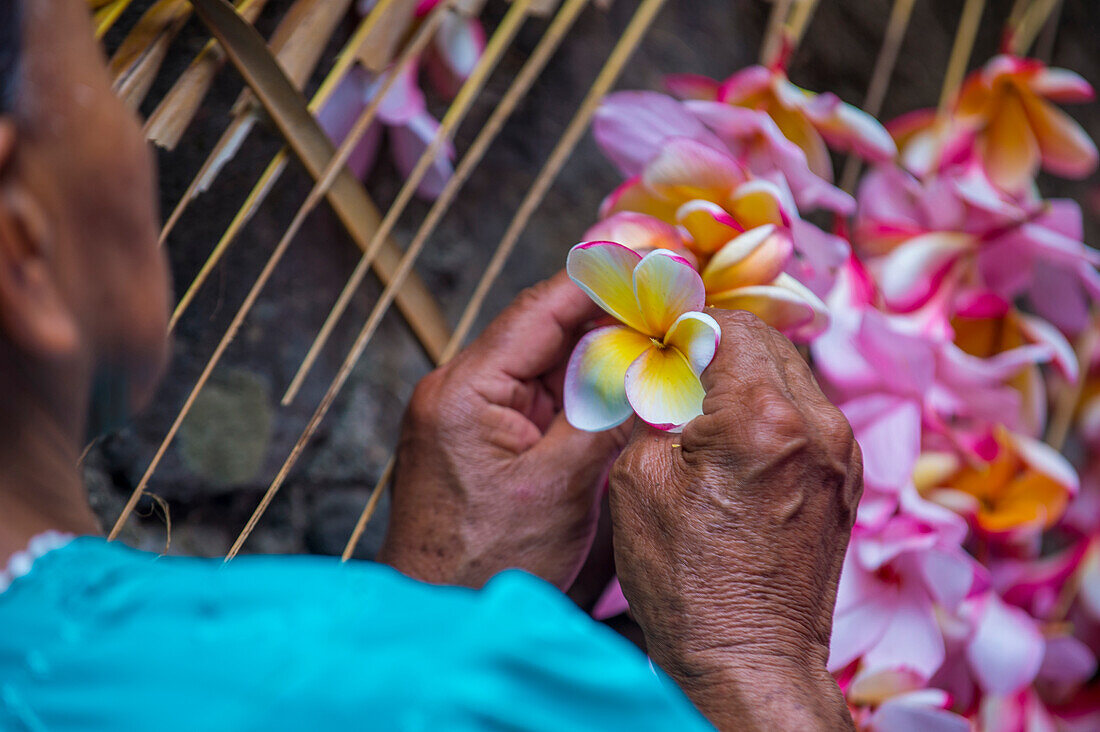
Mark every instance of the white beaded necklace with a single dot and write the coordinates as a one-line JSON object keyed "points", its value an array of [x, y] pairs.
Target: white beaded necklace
{"points": [[22, 561]]}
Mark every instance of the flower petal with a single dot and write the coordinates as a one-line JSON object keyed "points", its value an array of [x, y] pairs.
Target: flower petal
{"points": [[631, 127], [1044, 459], [666, 286], [848, 128], [640, 232], [605, 271], [403, 101], [896, 717], [1040, 331], [1061, 85], [912, 272], [758, 202], [756, 257], [859, 627], [913, 639], [685, 169], [663, 389], [786, 305], [633, 195], [887, 428], [612, 602], [1009, 149], [709, 225], [338, 116], [1067, 661], [744, 84], [457, 47], [595, 393], [1007, 647], [691, 86], [873, 686], [1066, 149], [696, 335], [408, 143]]}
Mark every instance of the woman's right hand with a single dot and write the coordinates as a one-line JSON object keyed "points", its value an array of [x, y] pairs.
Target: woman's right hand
{"points": [[729, 537]]}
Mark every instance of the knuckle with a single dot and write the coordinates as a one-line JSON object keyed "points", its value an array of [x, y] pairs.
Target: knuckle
{"points": [[423, 409], [777, 414], [734, 320], [631, 463], [738, 326], [532, 296], [854, 488], [836, 429]]}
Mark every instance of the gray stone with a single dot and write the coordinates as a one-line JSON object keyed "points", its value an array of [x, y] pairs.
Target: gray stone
{"points": [[225, 436]]}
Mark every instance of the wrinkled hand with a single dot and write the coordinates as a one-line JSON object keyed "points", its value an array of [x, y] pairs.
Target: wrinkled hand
{"points": [[729, 537], [489, 474]]}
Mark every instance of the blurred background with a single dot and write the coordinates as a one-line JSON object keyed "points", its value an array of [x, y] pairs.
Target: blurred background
{"points": [[237, 434]]}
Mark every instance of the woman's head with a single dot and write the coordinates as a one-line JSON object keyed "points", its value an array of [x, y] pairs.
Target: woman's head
{"points": [[84, 291]]}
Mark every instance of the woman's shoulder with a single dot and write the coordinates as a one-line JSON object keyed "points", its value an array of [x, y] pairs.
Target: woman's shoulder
{"points": [[296, 641]]}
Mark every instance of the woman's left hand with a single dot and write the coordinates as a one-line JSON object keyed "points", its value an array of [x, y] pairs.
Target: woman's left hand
{"points": [[489, 474]]}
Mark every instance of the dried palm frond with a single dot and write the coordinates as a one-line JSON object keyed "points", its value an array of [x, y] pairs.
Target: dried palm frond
{"points": [[290, 113], [106, 13], [372, 38], [167, 123], [502, 38], [137, 60], [393, 25]]}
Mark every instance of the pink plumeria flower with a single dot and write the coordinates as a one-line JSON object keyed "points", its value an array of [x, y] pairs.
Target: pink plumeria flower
{"points": [[809, 120], [631, 128], [713, 198], [926, 710], [746, 273], [960, 229], [895, 577], [900, 381], [1020, 489], [650, 363], [403, 113], [1004, 120], [994, 650]]}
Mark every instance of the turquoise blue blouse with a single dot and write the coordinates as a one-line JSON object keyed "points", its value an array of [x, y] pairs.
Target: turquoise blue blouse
{"points": [[101, 637]]}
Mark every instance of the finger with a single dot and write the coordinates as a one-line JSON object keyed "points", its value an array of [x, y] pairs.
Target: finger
{"points": [[574, 450], [745, 350], [745, 385], [535, 333]]}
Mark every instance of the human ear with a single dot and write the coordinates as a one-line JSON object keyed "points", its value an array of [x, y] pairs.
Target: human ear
{"points": [[33, 314]]}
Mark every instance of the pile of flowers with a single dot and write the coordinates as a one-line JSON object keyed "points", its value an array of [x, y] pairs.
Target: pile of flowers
{"points": [[937, 306]]}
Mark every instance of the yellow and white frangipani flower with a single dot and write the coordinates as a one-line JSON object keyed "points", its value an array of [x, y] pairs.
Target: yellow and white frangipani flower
{"points": [[649, 363]]}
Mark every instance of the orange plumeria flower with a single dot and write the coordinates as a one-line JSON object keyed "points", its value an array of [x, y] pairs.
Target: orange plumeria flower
{"points": [[1004, 116], [1023, 488]]}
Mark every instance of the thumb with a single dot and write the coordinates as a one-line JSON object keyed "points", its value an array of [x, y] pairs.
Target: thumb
{"points": [[564, 448], [582, 459]]}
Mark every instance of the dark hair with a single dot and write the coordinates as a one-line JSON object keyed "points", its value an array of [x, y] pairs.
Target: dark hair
{"points": [[10, 32]]}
